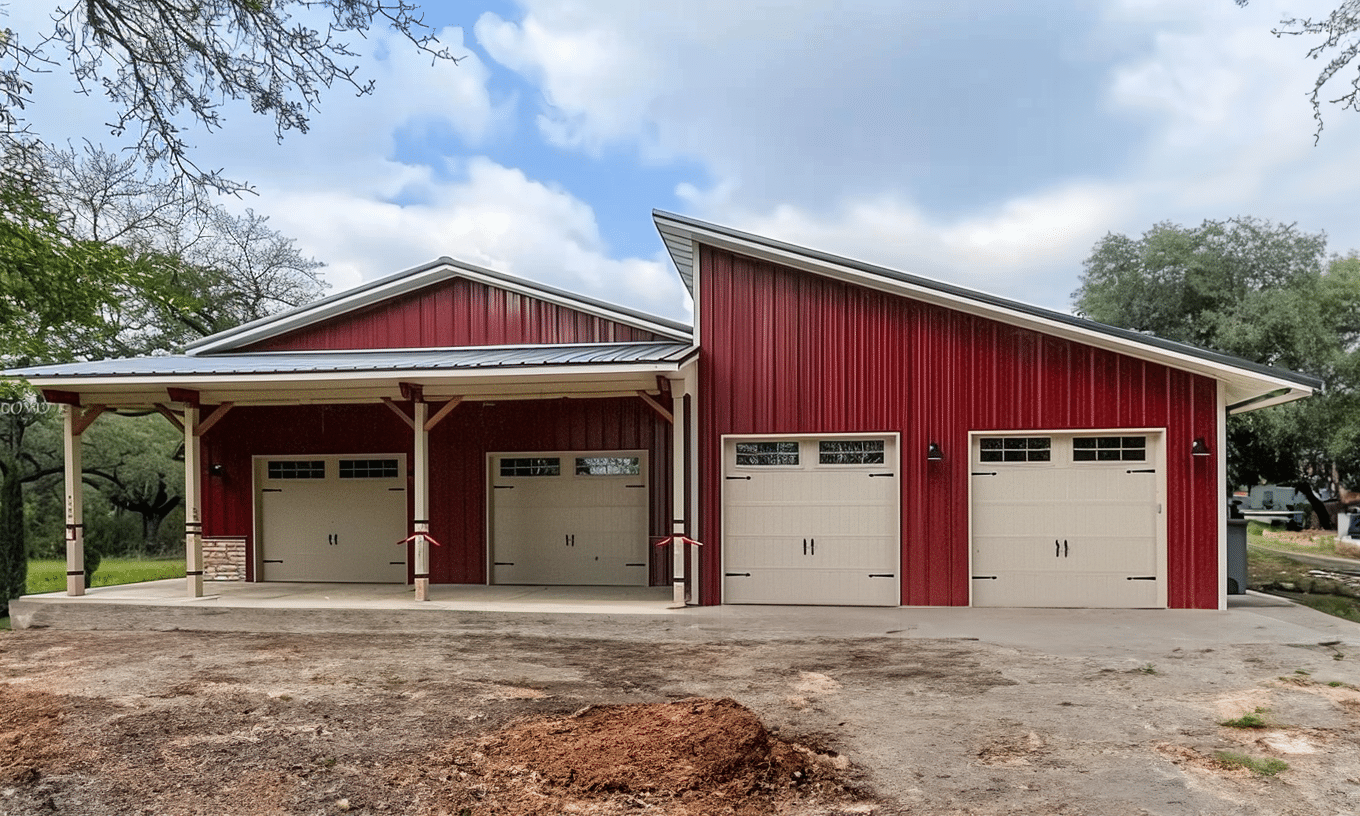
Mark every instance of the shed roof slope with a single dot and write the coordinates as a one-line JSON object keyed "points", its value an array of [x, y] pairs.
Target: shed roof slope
{"points": [[441, 304], [1249, 385]]}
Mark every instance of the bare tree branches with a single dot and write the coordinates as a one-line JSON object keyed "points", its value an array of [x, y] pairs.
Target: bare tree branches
{"points": [[167, 64], [1339, 46]]}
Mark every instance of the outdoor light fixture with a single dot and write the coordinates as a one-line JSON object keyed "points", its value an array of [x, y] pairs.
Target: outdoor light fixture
{"points": [[1199, 448], [933, 452], [216, 469]]}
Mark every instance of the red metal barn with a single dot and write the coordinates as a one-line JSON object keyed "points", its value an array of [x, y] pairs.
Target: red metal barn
{"points": [[832, 432]]}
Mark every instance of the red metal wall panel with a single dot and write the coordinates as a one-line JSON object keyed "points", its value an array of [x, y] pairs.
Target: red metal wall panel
{"points": [[457, 312], [458, 461], [784, 351]]}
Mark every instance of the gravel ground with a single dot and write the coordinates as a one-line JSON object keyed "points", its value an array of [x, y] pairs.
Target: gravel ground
{"points": [[181, 722]]}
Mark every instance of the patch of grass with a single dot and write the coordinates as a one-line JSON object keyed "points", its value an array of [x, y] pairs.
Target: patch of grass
{"points": [[1269, 569], [49, 575], [4, 624], [1320, 542], [1252, 719], [1259, 766], [1147, 668]]}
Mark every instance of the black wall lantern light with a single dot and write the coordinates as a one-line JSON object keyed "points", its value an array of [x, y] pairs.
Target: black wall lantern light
{"points": [[933, 452], [1199, 448], [216, 469]]}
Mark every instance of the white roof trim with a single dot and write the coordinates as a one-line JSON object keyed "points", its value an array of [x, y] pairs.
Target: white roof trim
{"points": [[1244, 379], [415, 279]]}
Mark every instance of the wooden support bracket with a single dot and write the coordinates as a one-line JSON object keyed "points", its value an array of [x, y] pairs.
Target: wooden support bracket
{"points": [[441, 413], [86, 418], [165, 411], [656, 406], [211, 419], [396, 409]]}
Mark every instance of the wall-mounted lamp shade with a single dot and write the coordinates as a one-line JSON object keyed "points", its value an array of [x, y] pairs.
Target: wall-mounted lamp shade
{"points": [[933, 452], [216, 470], [1199, 448]]}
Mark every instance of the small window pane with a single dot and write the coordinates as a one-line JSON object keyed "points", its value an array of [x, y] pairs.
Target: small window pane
{"points": [[298, 469], [767, 453], [368, 468], [532, 466], [850, 452], [1109, 449], [608, 465], [1016, 449]]}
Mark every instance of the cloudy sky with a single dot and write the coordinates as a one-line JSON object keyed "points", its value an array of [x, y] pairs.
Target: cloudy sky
{"points": [[981, 142]]}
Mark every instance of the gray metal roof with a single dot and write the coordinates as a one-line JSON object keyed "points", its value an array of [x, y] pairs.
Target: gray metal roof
{"points": [[314, 362], [415, 278], [679, 233]]}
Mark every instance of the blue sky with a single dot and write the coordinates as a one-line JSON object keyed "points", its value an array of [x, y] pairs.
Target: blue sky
{"points": [[988, 144]]}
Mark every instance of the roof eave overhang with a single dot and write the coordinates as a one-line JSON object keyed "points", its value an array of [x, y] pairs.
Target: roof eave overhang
{"points": [[413, 280], [520, 382], [1243, 383]]}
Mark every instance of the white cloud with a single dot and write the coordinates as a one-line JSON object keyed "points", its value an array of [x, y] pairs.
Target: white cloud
{"points": [[496, 217]]}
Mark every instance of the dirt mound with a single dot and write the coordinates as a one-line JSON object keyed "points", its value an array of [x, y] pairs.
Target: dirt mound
{"points": [[694, 756], [30, 733]]}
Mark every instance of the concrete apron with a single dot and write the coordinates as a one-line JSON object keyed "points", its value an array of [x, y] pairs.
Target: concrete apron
{"points": [[645, 614]]}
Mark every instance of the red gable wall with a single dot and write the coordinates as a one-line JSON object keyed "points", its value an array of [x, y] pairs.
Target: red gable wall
{"points": [[457, 312], [789, 352]]}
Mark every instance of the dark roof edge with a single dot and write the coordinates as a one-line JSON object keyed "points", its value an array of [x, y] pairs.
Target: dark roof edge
{"points": [[996, 301], [358, 292]]}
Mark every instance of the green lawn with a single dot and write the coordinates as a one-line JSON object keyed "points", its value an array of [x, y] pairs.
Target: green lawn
{"points": [[1267, 569], [50, 575]]}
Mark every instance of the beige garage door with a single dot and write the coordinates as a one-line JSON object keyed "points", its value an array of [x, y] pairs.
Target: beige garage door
{"points": [[569, 518], [332, 518], [1068, 520], [811, 520]]}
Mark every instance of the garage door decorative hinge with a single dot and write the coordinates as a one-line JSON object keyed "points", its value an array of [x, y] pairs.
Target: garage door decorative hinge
{"points": [[1141, 578], [737, 574], [1145, 470], [735, 478], [872, 475], [984, 473], [984, 577]]}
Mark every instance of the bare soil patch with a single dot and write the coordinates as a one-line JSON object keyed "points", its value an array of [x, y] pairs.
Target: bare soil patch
{"points": [[188, 723]]}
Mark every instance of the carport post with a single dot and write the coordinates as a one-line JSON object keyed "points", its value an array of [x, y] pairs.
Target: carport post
{"points": [[193, 516], [678, 515], [421, 502], [75, 499]]}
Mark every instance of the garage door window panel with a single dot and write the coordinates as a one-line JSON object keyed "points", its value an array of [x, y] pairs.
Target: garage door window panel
{"points": [[1109, 449], [1016, 449], [296, 469], [767, 454], [850, 452]]}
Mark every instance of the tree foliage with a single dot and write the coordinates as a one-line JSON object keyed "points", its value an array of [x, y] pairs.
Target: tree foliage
{"points": [[1336, 43], [165, 64], [1259, 290]]}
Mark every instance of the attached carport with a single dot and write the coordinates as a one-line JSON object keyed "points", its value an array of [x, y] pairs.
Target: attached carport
{"points": [[359, 493]]}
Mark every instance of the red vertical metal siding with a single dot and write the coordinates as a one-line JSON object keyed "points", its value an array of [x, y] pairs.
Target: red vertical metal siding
{"points": [[458, 466], [789, 352], [457, 312]]}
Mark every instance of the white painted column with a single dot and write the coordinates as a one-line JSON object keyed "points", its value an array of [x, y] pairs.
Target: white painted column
{"points": [[421, 503], [678, 518], [193, 501], [75, 524], [1220, 453]]}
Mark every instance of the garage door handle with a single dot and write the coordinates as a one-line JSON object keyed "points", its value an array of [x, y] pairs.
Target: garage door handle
{"points": [[805, 546], [734, 478], [737, 574], [1057, 548], [1141, 578], [814, 545], [1064, 548]]}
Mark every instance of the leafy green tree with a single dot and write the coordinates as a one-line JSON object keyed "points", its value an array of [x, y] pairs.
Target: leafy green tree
{"points": [[1262, 291]]}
